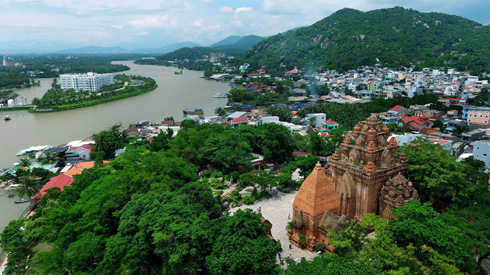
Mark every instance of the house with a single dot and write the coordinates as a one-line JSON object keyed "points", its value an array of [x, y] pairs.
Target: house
{"points": [[480, 115], [266, 119], [59, 181], [473, 135], [389, 117], [481, 151], [417, 123], [319, 118], [213, 119], [239, 121], [137, 83], [237, 115], [330, 125], [446, 144], [79, 167], [457, 149], [453, 124]]}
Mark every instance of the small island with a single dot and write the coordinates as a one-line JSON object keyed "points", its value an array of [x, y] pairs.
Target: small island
{"points": [[178, 72], [61, 98]]}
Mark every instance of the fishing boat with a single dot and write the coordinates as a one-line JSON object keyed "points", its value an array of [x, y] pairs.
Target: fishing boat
{"points": [[195, 112], [22, 200], [185, 111], [7, 118]]}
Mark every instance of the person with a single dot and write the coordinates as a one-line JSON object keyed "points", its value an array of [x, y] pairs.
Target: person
{"points": [[290, 246], [260, 209], [231, 205], [289, 216]]}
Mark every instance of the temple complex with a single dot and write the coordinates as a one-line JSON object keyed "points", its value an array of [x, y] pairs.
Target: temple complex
{"points": [[363, 177]]}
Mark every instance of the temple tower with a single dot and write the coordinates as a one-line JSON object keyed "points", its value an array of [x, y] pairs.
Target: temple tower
{"points": [[365, 164]]}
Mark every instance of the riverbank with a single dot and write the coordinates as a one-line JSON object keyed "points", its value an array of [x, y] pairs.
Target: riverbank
{"points": [[18, 108], [94, 102]]}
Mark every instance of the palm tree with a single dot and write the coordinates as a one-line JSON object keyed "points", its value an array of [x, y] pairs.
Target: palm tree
{"points": [[220, 111], [103, 141], [25, 162], [48, 158], [28, 189]]}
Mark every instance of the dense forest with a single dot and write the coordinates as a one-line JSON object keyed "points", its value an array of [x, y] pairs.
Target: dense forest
{"points": [[15, 77], [147, 212], [391, 37], [244, 43]]}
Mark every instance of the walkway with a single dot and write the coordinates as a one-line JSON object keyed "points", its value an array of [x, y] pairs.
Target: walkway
{"points": [[276, 210]]}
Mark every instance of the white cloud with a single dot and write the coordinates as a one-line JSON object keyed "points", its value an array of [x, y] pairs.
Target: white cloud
{"points": [[226, 9], [243, 9], [119, 27], [143, 33], [156, 21], [237, 23], [198, 23]]}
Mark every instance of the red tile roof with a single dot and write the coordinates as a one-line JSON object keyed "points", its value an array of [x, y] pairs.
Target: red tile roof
{"points": [[239, 120], [59, 181], [396, 108], [329, 121]]}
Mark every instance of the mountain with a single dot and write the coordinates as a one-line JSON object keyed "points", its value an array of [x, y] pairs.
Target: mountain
{"points": [[167, 48], [244, 43], [391, 37], [199, 53], [94, 50], [227, 41]]}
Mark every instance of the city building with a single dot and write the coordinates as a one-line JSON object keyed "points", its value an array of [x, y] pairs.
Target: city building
{"points": [[91, 82], [479, 115], [481, 151], [389, 117], [5, 63]]}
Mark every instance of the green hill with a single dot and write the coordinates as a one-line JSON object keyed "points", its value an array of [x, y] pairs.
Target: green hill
{"points": [[199, 53], [391, 37], [244, 44]]}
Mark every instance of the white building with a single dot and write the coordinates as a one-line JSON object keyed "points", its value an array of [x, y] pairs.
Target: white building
{"points": [[85, 82], [320, 117], [481, 151]]}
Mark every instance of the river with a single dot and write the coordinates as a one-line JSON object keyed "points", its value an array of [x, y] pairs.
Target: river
{"points": [[174, 93]]}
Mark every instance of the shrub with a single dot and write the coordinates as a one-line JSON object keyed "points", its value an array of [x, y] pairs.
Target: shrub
{"points": [[248, 200], [214, 174], [298, 184], [221, 186], [290, 225], [213, 181], [236, 195], [319, 247], [205, 180], [302, 240], [235, 175], [207, 173], [279, 246], [220, 174]]}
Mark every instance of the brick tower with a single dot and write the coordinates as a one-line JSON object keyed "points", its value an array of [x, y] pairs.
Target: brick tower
{"points": [[366, 163]]}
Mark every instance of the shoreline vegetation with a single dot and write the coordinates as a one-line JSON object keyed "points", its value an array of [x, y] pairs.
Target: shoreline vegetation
{"points": [[57, 100]]}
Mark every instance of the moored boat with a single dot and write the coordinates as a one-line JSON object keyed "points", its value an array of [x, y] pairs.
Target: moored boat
{"points": [[220, 95], [195, 112], [7, 118], [21, 200], [185, 111]]}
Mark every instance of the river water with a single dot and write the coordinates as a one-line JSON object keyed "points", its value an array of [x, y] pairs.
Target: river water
{"points": [[174, 93]]}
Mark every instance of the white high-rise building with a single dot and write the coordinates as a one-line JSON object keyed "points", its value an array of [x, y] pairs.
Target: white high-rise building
{"points": [[85, 82]]}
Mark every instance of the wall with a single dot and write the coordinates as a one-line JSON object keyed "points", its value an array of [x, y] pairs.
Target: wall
{"points": [[481, 151]]}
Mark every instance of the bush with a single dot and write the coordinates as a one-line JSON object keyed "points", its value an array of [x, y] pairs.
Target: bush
{"points": [[236, 195], [298, 184], [207, 173], [248, 200], [235, 175], [213, 181], [220, 174], [319, 247], [261, 195], [279, 246], [214, 174], [205, 180], [290, 225], [221, 186]]}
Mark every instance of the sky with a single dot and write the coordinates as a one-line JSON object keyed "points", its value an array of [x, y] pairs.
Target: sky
{"points": [[131, 24]]}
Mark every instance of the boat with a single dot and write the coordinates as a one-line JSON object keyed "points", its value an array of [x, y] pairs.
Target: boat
{"points": [[187, 110], [195, 112], [7, 118], [22, 200], [220, 95]]}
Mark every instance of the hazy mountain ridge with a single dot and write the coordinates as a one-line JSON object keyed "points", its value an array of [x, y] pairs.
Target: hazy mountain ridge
{"points": [[232, 39], [94, 50], [167, 48], [391, 37], [245, 43]]}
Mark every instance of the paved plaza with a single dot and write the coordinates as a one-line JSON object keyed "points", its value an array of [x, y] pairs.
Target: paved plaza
{"points": [[276, 210]]}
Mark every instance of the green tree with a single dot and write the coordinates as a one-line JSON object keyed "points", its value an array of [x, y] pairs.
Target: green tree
{"points": [[28, 187], [243, 247], [220, 111], [304, 163]]}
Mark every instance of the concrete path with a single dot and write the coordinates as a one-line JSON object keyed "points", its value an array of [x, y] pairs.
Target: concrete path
{"points": [[276, 210]]}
